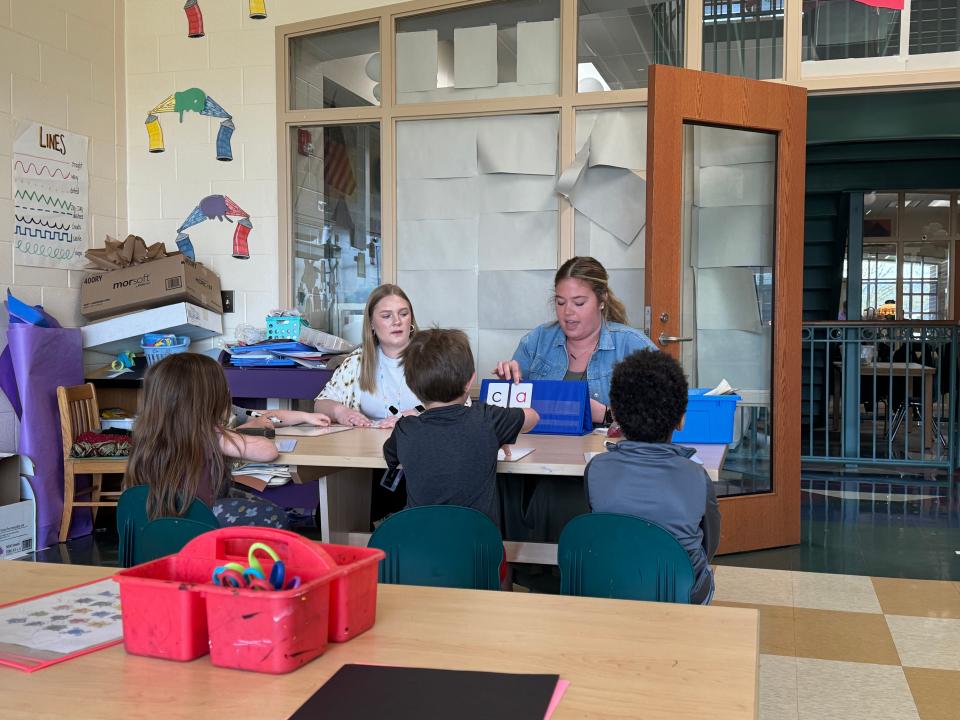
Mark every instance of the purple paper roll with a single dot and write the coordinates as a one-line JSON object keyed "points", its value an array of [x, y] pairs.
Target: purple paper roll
{"points": [[42, 359]]}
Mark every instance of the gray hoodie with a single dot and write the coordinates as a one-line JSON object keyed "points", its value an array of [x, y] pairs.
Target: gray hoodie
{"points": [[660, 483]]}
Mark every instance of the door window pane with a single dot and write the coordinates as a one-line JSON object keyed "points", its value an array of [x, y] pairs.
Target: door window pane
{"points": [[335, 199], [743, 38], [729, 214], [879, 280], [926, 256], [336, 68], [618, 39], [840, 29], [934, 26], [490, 50]]}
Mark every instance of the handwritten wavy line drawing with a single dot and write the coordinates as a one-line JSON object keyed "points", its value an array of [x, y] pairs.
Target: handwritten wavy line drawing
{"points": [[32, 169], [45, 210], [34, 221], [45, 199], [42, 234]]}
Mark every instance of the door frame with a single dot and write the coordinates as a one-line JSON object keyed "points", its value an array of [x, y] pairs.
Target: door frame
{"points": [[678, 96]]}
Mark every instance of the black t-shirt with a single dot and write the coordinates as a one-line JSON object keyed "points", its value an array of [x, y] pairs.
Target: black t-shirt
{"points": [[449, 454]]}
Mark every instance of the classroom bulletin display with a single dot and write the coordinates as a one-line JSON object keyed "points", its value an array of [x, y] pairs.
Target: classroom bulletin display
{"points": [[50, 197]]}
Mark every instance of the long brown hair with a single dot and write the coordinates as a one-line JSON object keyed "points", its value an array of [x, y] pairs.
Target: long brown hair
{"points": [[176, 451], [368, 366], [590, 271]]}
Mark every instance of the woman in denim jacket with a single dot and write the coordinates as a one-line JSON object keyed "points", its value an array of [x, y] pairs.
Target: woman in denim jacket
{"points": [[589, 337]]}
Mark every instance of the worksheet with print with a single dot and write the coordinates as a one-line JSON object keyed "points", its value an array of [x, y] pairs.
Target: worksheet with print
{"points": [[310, 430]]}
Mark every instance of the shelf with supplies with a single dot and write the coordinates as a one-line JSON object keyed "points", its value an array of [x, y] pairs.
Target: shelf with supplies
{"points": [[117, 334]]}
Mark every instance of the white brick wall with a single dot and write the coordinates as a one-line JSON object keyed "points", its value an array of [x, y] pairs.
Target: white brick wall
{"points": [[57, 65], [234, 64]]}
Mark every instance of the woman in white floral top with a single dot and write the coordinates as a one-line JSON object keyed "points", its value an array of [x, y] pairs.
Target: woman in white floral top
{"points": [[368, 389]]}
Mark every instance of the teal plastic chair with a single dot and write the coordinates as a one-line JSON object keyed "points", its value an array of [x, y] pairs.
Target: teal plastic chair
{"points": [[168, 535], [624, 557], [132, 521], [440, 546]]}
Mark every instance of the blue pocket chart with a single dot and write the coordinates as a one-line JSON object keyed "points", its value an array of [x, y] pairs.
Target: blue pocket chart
{"points": [[563, 405]]}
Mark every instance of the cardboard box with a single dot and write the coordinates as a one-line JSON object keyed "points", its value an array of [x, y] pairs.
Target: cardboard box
{"points": [[18, 510], [123, 333], [159, 282]]}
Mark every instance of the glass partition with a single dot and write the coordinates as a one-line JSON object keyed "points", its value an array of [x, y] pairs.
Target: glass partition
{"points": [[618, 39], [335, 199], [336, 68], [841, 29], [490, 50], [743, 38], [729, 213]]}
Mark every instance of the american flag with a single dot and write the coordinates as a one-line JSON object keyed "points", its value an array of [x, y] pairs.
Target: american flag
{"points": [[337, 171]]}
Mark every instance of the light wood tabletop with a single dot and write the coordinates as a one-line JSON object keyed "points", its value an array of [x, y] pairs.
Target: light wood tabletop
{"points": [[553, 454], [624, 659]]}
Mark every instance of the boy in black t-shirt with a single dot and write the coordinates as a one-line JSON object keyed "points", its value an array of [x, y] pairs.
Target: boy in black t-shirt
{"points": [[449, 452]]}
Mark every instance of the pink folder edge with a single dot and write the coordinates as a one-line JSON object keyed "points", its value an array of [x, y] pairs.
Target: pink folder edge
{"points": [[558, 692]]}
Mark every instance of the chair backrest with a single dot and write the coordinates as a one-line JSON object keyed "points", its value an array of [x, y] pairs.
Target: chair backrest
{"points": [[625, 557], [79, 412], [440, 546], [132, 519], [167, 535]]}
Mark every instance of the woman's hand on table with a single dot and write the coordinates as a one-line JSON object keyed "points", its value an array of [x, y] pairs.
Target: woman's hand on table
{"points": [[351, 417], [508, 370], [296, 417]]}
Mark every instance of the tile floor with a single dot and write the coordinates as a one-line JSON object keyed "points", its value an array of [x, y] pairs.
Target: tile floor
{"points": [[851, 647]]}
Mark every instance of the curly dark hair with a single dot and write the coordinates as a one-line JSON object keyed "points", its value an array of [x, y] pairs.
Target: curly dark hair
{"points": [[648, 396]]}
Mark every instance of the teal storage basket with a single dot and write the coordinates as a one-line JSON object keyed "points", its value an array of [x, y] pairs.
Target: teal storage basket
{"points": [[709, 418], [285, 327]]}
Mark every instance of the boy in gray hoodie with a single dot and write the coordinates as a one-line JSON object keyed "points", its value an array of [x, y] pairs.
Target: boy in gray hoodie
{"points": [[648, 476]]}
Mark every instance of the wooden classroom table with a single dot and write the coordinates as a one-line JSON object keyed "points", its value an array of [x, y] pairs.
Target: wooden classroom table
{"points": [[344, 502], [624, 659]]}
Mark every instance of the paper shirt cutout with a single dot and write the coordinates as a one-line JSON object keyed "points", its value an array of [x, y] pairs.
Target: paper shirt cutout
{"points": [[221, 208], [191, 100], [257, 10]]}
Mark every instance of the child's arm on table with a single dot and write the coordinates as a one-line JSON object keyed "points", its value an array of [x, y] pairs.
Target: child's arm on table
{"points": [[247, 447]]}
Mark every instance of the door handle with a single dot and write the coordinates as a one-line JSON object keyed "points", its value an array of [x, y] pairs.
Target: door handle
{"points": [[664, 339]]}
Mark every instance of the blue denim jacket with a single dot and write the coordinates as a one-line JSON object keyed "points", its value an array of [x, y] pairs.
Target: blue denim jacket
{"points": [[542, 354]]}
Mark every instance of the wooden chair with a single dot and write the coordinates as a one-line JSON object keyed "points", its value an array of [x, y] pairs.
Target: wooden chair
{"points": [[78, 414]]}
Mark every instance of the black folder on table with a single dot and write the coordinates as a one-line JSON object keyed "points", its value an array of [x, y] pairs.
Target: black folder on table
{"points": [[376, 692]]}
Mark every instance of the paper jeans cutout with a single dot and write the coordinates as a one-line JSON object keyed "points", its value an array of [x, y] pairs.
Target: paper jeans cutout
{"points": [[191, 100], [218, 207], [257, 10]]}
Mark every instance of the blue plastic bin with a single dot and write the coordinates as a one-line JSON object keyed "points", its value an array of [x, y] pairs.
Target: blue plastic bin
{"points": [[709, 418], [155, 354]]}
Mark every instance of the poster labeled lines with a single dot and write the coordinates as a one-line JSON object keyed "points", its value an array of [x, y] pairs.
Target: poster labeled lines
{"points": [[50, 195]]}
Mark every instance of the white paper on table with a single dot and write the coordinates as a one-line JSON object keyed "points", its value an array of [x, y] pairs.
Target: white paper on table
{"points": [[475, 56], [517, 193], [743, 358], [438, 244], [588, 456], [515, 299], [614, 198], [521, 144], [439, 199], [619, 139], [447, 298], [734, 236], [516, 453], [416, 60], [538, 52], [310, 431], [727, 300], [65, 622], [437, 148], [518, 241], [285, 445], [606, 248], [725, 185]]}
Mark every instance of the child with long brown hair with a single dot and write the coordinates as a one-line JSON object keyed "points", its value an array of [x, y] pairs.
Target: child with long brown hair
{"points": [[181, 442]]}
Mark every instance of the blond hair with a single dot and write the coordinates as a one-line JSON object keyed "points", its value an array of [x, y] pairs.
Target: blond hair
{"points": [[590, 271], [368, 363]]}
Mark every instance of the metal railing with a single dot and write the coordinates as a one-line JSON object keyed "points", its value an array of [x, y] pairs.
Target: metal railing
{"points": [[880, 394]]}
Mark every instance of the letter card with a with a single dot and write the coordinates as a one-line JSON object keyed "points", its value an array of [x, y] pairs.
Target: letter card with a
{"points": [[563, 405]]}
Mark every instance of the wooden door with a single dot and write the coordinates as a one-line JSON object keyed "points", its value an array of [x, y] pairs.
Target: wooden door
{"points": [[724, 275]]}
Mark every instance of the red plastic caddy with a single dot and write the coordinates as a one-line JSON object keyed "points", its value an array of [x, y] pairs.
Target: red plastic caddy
{"points": [[171, 608]]}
